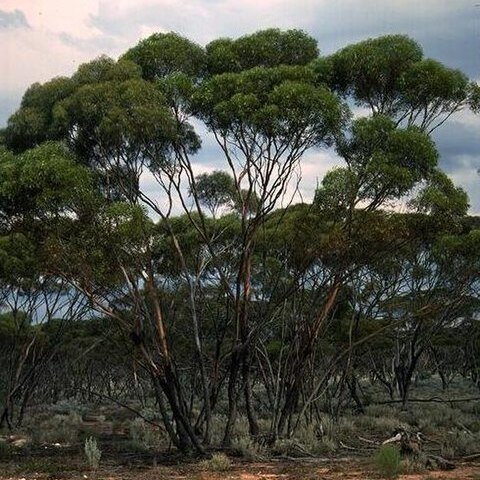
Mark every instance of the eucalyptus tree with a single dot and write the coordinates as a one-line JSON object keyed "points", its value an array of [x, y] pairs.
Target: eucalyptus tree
{"points": [[214, 191], [383, 163], [436, 290], [38, 188], [389, 75], [264, 119], [264, 112], [266, 99], [118, 125], [388, 154]]}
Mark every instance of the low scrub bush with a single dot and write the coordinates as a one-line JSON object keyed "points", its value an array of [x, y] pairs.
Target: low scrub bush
{"points": [[144, 435], [460, 442], [387, 461], [412, 465], [63, 429], [249, 449], [217, 428], [92, 452], [218, 463], [66, 407]]}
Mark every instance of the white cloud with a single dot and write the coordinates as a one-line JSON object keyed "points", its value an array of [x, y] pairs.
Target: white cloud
{"points": [[35, 56]]}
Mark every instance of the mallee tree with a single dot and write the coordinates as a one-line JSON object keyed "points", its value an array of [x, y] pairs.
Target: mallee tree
{"points": [[222, 286]]}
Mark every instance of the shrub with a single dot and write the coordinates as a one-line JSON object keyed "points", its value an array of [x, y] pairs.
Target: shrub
{"points": [[308, 436], [92, 452], [249, 448], [65, 407], [47, 466], [151, 414], [381, 424], [287, 446], [387, 461], [218, 463], [319, 438], [59, 428], [217, 428], [460, 442], [346, 426], [143, 435], [241, 428], [411, 465]]}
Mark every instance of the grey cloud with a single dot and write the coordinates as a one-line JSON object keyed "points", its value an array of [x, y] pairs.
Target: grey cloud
{"points": [[447, 31], [9, 102], [458, 139], [459, 147], [13, 20]]}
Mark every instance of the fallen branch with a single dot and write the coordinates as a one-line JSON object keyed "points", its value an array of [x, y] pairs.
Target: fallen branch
{"points": [[435, 462], [366, 440], [347, 447], [469, 458]]}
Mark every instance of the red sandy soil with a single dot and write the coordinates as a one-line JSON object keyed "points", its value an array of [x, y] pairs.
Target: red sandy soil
{"points": [[345, 469]]}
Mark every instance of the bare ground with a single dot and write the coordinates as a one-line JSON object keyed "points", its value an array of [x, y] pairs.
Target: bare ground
{"points": [[345, 468]]}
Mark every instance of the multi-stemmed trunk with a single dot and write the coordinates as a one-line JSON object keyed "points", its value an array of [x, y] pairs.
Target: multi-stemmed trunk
{"points": [[240, 362], [296, 372]]}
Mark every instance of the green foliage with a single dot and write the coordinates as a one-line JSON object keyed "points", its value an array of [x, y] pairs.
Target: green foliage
{"points": [[105, 69], [389, 76], [252, 285], [371, 70], [33, 123], [112, 119], [411, 465], [164, 54], [218, 463], [278, 102], [337, 193], [383, 163], [95, 250], [474, 97], [63, 429], [92, 452], [318, 439], [458, 254], [266, 48], [457, 443], [249, 448], [214, 190], [387, 461], [178, 90], [145, 436], [43, 182], [428, 80], [390, 160], [18, 257], [441, 199], [17, 329]]}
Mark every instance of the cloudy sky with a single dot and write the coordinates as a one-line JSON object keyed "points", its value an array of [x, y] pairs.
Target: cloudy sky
{"points": [[41, 39]]}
